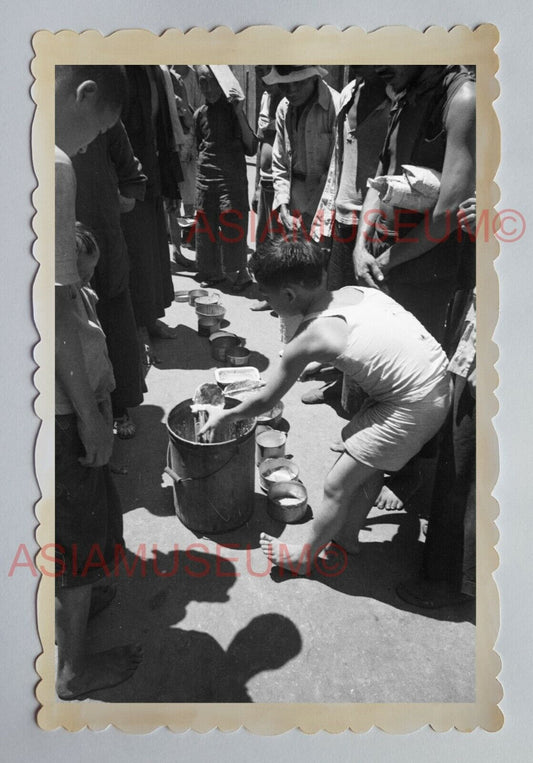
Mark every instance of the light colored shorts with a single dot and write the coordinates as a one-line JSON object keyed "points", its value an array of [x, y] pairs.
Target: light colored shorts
{"points": [[386, 435]]}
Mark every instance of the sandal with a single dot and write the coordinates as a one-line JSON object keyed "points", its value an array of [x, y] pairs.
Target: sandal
{"points": [[124, 427]]}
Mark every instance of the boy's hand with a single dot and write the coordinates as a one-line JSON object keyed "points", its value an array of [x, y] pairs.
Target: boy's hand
{"points": [[96, 434], [217, 415]]}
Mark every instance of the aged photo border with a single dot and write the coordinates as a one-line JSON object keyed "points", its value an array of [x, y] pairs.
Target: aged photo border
{"points": [[400, 45]]}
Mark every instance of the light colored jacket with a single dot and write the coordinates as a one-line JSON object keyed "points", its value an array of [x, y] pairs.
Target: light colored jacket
{"points": [[320, 140]]}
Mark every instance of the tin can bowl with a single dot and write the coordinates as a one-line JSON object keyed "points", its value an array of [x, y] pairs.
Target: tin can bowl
{"points": [[273, 470], [238, 356], [222, 343], [287, 501], [195, 293], [208, 304]]}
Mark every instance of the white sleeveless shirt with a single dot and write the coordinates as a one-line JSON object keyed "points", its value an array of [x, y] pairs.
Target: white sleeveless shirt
{"points": [[388, 353]]}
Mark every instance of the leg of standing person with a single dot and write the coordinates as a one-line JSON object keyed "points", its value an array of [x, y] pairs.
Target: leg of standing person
{"points": [[88, 528], [234, 247], [264, 229], [208, 258], [118, 323], [449, 551]]}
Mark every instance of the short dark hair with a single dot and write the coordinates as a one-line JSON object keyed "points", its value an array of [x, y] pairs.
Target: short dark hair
{"points": [[284, 262], [111, 81]]}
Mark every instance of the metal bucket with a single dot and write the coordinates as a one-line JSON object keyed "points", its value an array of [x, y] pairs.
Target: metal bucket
{"points": [[213, 482]]}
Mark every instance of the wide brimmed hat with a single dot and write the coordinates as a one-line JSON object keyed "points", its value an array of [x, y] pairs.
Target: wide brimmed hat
{"points": [[280, 74]]}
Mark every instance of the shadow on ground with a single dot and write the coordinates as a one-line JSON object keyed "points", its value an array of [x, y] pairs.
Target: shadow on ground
{"points": [[181, 665], [143, 484]]}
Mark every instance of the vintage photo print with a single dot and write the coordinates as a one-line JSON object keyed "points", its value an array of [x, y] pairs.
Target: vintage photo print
{"points": [[265, 302]]}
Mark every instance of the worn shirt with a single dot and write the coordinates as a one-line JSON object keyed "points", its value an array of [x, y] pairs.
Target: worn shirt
{"points": [[96, 360], [107, 167], [358, 146], [221, 157], [303, 147]]}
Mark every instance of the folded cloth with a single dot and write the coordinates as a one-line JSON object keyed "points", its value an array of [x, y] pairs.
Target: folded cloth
{"points": [[418, 188]]}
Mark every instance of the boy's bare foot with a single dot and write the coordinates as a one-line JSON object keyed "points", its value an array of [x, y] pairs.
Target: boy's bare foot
{"points": [[388, 501], [102, 671], [291, 556]]}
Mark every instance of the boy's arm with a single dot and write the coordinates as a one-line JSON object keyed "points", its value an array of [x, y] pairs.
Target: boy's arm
{"points": [[94, 427], [321, 344]]}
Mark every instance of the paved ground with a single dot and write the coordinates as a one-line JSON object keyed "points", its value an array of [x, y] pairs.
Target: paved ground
{"points": [[230, 630], [215, 623]]}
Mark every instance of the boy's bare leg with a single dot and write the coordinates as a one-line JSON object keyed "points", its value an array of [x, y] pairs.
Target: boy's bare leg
{"points": [[343, 482], [362, 502], [79, 673]]}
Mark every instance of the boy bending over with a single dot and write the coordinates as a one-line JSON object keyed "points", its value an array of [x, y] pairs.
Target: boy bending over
{"points": [[387, 351]]}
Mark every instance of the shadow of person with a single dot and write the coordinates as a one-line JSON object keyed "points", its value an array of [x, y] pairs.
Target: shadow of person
{"points": [[186, 665], [390, 553], [187, 350], [267, 643], [247, 535], [154, 590], [145, 457]]}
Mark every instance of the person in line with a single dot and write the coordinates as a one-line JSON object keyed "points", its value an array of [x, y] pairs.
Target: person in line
{"points": [[431, 125], [264, 191], [448, 573], [301, 155], [360, 131], [88, 101], [367, 335], [109, 181], [148, 124], [223, 137]]}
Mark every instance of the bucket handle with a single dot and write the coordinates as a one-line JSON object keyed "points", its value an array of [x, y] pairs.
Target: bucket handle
{"points": [[168, 470], [171, 473]]}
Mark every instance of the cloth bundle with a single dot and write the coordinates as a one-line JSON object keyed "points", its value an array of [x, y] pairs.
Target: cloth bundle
{"points": [[417, 189]]}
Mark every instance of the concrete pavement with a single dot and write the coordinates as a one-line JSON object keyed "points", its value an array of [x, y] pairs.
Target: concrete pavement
{"points": [[215, 623]]}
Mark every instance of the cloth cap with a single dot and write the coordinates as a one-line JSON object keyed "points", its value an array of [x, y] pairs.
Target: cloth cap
{"points": [[280, 74]]}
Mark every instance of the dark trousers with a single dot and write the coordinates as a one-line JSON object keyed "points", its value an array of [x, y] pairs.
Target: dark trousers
{"points": [[340, 265], [221, 232], [450, 548], [263, 232], [118, 322]]}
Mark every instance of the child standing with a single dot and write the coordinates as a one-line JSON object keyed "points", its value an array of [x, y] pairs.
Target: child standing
{"points": [[224, 137]]}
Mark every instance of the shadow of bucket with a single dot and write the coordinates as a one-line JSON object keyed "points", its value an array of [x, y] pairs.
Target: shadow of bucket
{"points": [[213, 483]]}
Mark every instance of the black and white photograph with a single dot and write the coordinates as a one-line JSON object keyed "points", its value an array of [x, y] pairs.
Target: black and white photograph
{"points": [[265, 380]]}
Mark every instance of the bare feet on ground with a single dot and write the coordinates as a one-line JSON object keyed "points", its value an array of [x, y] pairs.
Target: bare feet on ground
{"points": [[101, 671], [296, 557], [388, 501]]}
